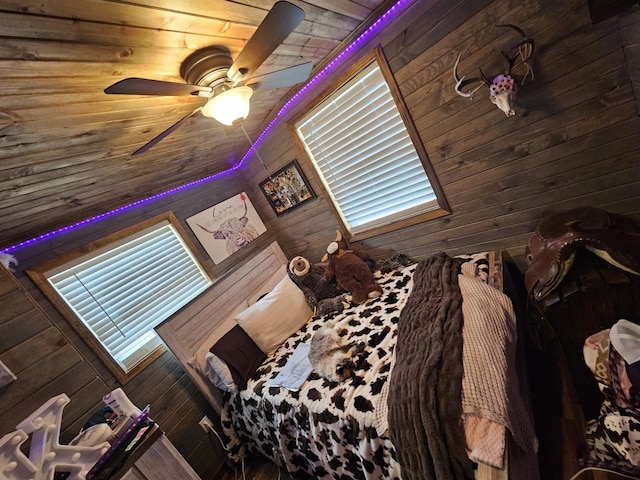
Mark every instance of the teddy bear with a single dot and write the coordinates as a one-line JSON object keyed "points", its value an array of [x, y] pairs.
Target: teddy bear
{"points": [[350, 269], [322, 296]]}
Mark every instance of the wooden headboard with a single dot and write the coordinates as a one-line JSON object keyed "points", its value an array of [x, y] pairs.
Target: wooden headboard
{"points": [[210, 315]]}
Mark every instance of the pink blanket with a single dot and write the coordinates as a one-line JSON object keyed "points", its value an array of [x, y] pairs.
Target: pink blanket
{"points": [[489, 353]]}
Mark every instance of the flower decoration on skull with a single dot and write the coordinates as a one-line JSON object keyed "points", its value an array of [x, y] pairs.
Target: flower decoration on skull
{"points": [[503, 87]]}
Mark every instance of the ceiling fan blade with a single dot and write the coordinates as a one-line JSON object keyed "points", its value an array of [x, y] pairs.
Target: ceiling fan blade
{"points": [[167, 132], [282, 78], [281, 20], [143, 86]]}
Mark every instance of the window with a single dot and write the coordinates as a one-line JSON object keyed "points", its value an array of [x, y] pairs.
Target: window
{"points": [[125, 286], [367, 154]]}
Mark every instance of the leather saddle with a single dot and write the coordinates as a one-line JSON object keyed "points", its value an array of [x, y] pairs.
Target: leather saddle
{"points": [[553, 246]]}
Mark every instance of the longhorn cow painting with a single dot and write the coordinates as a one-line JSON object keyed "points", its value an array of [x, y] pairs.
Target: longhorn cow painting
{"points": [[227, 227]]}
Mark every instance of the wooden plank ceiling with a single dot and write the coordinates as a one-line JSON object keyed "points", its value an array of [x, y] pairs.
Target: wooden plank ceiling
{"points": [[65, 146]]}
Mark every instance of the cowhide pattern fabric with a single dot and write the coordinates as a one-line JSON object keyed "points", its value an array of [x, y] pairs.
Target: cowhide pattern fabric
{"points": [[329, 429], [330, 357], [612, 439]]}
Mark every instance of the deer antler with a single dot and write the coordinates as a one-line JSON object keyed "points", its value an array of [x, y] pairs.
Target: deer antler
{"points": [[461, 82], [524, 49]]}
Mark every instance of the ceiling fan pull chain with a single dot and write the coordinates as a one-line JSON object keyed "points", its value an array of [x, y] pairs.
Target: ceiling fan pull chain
{"points": [[255, 150]]}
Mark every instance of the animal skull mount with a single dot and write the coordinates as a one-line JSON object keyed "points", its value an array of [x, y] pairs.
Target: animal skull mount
{"points": [[503, 87]]}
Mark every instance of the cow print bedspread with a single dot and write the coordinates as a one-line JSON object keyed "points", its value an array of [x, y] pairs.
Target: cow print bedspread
{"points": [[328, 429]]}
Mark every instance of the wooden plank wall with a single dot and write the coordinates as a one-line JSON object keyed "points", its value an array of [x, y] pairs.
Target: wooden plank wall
{"points": [[49, 358], [57, 57], [630, 30], [45, 362], [574, 141]]}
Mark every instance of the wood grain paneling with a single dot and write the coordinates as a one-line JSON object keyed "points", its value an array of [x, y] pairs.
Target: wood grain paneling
{"points": [[630, 31], [45, 363], [66, 146], [573, 143], [174, 399]]}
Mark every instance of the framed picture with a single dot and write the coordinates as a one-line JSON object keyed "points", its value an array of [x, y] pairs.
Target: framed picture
{"points": [[287, 189], [227, 227]]}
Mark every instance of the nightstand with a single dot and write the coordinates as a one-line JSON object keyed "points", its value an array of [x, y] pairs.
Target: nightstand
{"points": [[155, 458]]}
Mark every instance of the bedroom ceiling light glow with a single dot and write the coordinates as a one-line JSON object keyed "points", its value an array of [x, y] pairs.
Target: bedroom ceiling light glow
{"points": [[229, 106], [364, 37]]}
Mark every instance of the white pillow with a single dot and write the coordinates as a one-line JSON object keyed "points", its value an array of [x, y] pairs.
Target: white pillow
{"points": [[218, 373], [213, 368], [275, 317]]}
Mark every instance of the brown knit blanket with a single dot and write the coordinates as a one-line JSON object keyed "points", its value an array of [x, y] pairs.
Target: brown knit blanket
{"points": [[425, 385]]}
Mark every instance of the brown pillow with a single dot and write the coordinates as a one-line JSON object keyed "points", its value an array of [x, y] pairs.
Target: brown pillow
{"points": [[241, 354]]}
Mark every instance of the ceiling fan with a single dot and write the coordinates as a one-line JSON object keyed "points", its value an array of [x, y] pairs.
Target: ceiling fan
{"points": [[211, 73]]}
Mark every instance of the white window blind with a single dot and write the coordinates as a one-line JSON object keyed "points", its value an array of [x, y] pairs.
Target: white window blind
{"points": [[360, 146], [122, 291]]}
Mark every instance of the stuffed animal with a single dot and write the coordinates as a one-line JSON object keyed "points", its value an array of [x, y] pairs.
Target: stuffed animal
{"points": [[350, 269], [322, 296]]}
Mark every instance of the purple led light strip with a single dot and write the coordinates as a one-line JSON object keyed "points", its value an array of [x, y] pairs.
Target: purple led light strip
{"points": [[362, 38], [115, 211]]}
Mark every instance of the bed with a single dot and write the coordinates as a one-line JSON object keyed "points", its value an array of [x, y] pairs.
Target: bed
{"points": [[365, 426]]}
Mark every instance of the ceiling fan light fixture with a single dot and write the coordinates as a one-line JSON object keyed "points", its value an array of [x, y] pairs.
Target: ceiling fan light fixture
{"points": [[229, 106]]}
